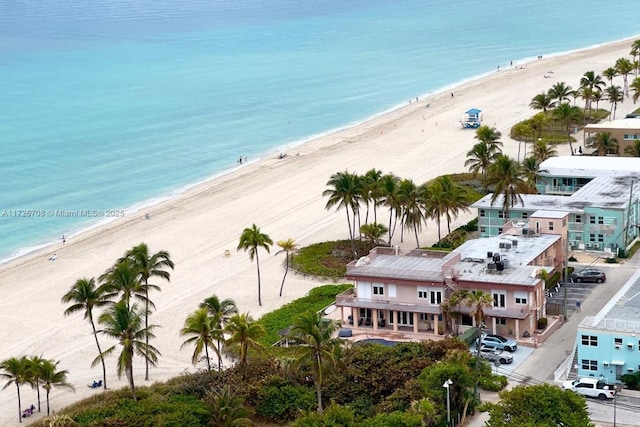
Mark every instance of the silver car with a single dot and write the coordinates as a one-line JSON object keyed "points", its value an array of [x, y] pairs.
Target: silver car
{"points": [[494, 355]]}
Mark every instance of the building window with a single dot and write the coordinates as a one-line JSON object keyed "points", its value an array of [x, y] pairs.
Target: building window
{"points": [[499, 299], [600, 220], [592, 237], [378, 289], [550, 225], [436, 297], [423, 294], [424, 316], [578, 219], [592, 219], [600, 238], [521, 301], [578, 237], [617, 341], [502, 214], [500, 230], [483, 229], [525, 215], [482, 213], [590, 340], [501, 321], [589, 365]]}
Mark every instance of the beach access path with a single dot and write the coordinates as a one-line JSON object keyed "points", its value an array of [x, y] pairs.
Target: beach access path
{"points": [[283, 197]]}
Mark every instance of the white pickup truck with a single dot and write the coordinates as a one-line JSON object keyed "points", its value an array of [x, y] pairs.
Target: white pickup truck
{"points": [[591, 387]]}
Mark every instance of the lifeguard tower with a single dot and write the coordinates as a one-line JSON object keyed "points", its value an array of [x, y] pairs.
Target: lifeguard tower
{"points": [[472, 119]]}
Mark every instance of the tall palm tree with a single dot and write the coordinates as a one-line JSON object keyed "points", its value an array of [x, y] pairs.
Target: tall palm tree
{"points": [[123, 279], [51, 378], [244, 334], [604, 144], [538, 122], [560, 92], [457, 198], [542, 101], [319, 352], [478, 301], [436, 205], [251, 240], [575, 94], [35, 363], [635, 85], [148, 266], [635, 53], [124, 323], [16, 371], [373, 233], [567, 114], [221, 311], [288, 246], [228, 408], [412, 200], [505, 176], [85, 296], [480, 157], [614, 95], [530, 169], [594, 82], [490, 136], [201, 329], [543, 151], [587, 95], [624, 68], [371, 191], [598, 96], [389, 185], [345, 192], [610, 73], [633, 150]]}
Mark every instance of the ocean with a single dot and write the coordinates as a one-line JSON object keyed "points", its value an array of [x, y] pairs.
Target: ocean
{"points": [[111, 105]]}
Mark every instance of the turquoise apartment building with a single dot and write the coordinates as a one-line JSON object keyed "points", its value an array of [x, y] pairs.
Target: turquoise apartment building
{"points": [[600, 194], [608, 344]]}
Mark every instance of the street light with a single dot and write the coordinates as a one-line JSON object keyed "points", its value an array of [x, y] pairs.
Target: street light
{"points": [[446, 385]]}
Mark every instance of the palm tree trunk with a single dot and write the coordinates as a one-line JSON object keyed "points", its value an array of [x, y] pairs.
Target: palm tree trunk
{"points": [[319, 397], [258, 267], [47, 402], [38, 390], [390, 230], [286, 270], [19, 403], [129, 370], [219, 356], [146, 327], [206, 353], [415, 231], [104, 368], [439, 236]]}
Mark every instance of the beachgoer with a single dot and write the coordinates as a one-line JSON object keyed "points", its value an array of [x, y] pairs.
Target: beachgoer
{"points": [[511, 63], [416, 99], [240, 160], [498, 68], [580, 149], [63, 239], [452, 94], [578, 304], [147, 216], [53, 257]]}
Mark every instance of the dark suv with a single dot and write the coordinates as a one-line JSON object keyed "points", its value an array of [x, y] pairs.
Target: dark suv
{"points": [[589, 275]]}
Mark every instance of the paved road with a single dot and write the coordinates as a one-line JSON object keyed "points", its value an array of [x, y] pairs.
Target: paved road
{"points": [[542, 363]]}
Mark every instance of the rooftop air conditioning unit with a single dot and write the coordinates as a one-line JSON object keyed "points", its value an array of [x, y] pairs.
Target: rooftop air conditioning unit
{"points": [[491, 266], [502, 245], [525, 231], [618, 346], [514, 243], [507, 246]]}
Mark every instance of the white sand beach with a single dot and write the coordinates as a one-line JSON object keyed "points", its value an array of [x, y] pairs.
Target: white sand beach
{"points": [[283, 197]]}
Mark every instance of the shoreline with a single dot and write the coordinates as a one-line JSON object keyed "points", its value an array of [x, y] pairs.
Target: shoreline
{"points": [[283, 197], [175, 193]]}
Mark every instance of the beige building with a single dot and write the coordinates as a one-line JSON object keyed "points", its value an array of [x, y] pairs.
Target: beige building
{"points": [[626, 131]]}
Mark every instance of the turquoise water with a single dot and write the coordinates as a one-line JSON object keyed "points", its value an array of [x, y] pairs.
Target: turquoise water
{"points": [[106, 105]]}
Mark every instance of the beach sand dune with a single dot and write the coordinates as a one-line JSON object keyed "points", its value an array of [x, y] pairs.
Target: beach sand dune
{"points": [[283, 197]]}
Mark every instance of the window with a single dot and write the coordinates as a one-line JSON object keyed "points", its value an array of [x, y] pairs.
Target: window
{"points": [[550, 225], [423, 293], [592, 219], [617, 341], [483, 229], [500, 230], [600, 238], [501, 321], [600, 220], [592, 237], [433, 316], [521, 297], [378, 289], [424, 316], [589, 365], [502, 214], [590, 340], [578, 237], [435, 297], [578, 218], [482, 213], [499, 298], [521, 300], [525, 215]]}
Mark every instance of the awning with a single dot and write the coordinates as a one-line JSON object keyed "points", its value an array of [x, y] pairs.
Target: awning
{"points": [[617, 362]]}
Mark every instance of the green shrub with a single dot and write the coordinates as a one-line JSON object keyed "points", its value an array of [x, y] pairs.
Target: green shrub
{"points": [[493, 383], [469, 336], [631, 381], [394, 419], [327, 259], [611, 260], [542, 323], [283, 403]]}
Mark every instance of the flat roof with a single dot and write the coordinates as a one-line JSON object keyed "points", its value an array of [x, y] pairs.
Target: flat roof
{"points": [[522, 250], [622, 312], [533, 202], [588, 166], [550, 214], [402, 267], [630, 124]]}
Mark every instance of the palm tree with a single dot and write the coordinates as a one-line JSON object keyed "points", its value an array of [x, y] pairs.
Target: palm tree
{"points": [[490, 136], [604, 144], [587, 95], [530, 169], [436, 204], [452, 308], [478, 301], [538, 122], [635, 85], [614, 95], [221, 311], [560, 92], [288, 246], [244, 334], [594, 82], [598, 96], [543, 151], [624, 68], [635, 53], [149, 266], [51, 378], [371, 191], [319, 352], [124, 324], [575, 94], [412, 199], [610, 73], [201, 329], [345, 192], [123, 279], [16, 371], [373, 233], [505, 176], [85, 296], [567, 114], [456, 197], [480, 157], [542, 101], [228, 408], [35, 363], [389, 187], [250, 240], [633, 150]]}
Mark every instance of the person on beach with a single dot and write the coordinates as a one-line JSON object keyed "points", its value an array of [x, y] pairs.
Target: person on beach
{"points": [[53, 257], [452, 94], [64, 240]]}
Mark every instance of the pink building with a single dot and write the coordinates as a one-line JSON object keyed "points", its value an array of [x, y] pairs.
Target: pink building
{"points": [[404, 291]]}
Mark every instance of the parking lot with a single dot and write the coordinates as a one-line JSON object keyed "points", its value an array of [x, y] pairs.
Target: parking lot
{"points": [[519, 356]]}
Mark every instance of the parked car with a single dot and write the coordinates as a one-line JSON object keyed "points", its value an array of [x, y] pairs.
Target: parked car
{"points": [[494, 355], [589, 275], [591, 387], [499, 342]]}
